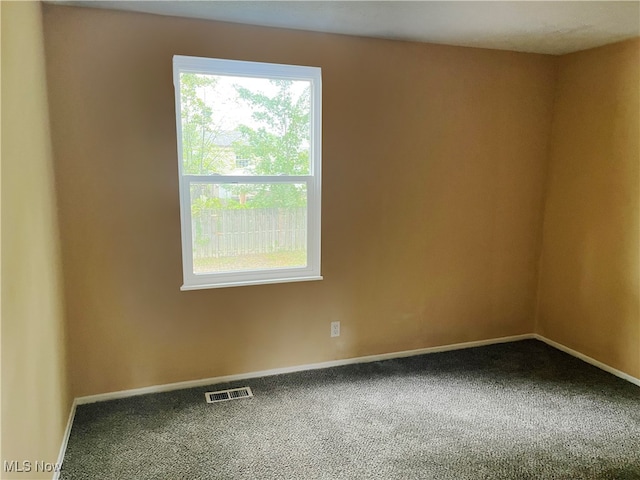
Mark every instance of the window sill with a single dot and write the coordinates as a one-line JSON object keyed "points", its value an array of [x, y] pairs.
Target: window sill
{"points": [[243, 283]]}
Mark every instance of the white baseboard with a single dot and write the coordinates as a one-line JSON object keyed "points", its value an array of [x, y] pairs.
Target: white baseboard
{"points": [[585, 358], [65, 438], [298, 368], [314, 366]]}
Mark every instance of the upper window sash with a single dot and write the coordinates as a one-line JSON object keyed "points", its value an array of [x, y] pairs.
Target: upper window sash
{"points": [[258, 70]]}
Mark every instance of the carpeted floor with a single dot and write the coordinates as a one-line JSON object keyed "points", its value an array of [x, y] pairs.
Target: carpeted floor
{"points": [[520, 410]]}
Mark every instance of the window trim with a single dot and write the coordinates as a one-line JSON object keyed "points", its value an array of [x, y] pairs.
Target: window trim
{"points": [[313, 181]]}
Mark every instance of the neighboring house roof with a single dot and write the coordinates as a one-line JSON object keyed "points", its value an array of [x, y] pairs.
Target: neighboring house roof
{"points": [[227, 138]]}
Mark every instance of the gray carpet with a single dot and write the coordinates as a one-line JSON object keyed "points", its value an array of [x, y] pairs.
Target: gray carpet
{"points": [[520, 410]]}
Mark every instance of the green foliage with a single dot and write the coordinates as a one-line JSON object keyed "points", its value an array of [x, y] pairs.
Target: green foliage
{"points": [[279, 145], [204, 203], [200, 154]]}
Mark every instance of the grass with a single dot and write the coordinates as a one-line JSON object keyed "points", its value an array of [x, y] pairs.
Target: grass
{"points": [[253, 261]]}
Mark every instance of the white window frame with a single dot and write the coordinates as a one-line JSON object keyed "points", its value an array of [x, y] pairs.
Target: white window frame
{"points": [[211, 66]]}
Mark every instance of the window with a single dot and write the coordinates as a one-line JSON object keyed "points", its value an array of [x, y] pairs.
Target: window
{"points": [[242, 162], [249, 149]]}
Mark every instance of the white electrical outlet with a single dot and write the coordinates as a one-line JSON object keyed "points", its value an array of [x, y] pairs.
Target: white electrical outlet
{"points": [[335, 329]]}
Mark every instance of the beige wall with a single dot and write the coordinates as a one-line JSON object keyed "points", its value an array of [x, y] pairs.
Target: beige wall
{"points": [[434, 164], [434, 176], [589, 284], [35, 402]]}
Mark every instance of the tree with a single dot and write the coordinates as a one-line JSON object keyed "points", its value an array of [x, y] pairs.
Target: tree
{"points": [[200, 154], [280, 144]]}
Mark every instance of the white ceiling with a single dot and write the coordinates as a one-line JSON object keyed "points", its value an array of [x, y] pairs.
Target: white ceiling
{"points": [[554, 27]]}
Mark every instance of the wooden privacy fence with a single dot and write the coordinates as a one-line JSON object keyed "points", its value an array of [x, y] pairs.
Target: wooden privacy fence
{"points": [[225, 233]]}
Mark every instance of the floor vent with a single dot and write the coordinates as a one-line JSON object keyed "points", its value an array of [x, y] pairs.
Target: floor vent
{"points": [[224, 395]]}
